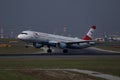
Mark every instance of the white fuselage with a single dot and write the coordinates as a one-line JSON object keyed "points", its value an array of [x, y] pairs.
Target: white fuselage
{"points": [[51, 39], [45, 37]]}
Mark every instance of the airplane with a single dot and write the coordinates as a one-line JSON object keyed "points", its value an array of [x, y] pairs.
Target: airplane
{"points": [[39, 39]]}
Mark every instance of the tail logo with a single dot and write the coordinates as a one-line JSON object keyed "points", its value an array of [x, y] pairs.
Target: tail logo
{"points": [[88, 36]]}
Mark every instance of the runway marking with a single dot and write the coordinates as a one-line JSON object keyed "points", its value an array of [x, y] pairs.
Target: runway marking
{"points": [[91, 73]]}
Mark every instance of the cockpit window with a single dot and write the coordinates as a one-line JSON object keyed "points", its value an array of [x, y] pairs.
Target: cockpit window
{"points": [[25, 33]]}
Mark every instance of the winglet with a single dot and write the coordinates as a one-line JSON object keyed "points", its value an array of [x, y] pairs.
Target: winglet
{"points": [[88, 36]]}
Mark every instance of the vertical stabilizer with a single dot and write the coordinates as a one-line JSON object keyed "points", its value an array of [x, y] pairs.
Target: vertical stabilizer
{"points": [[88, 36]]}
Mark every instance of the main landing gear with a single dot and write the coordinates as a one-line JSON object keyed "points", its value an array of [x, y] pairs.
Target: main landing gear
{"points": [[26, 46], [65, 51], [50, 50]]}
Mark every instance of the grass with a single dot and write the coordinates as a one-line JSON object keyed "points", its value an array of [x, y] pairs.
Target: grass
{"points": [[12, 75], [104, 65]]}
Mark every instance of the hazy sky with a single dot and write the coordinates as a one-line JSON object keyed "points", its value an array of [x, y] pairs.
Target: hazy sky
{"points": [[51, 16]]}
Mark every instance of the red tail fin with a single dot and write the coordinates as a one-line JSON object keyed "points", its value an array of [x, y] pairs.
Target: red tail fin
{"points": [[88, 36]]}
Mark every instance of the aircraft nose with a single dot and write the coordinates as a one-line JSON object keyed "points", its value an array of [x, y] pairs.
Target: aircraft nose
{"points": [[19, 36], [23, 37]]}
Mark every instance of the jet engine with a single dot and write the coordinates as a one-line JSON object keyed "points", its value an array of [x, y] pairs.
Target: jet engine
{"points": [[37, 45], [62, 45]]}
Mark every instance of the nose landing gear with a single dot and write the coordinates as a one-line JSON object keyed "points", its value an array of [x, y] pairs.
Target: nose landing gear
{"points": [[49, 50]]}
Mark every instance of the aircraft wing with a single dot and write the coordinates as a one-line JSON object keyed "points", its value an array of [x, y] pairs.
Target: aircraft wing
{"points": [[84, 41], [73, 42]]}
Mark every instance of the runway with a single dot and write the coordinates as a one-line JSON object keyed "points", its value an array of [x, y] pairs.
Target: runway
{"points": [[88, 52]]}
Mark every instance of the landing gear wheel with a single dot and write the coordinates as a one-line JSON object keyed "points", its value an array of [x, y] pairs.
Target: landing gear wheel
{"points": [[26, 46], [65, 51], [49, 50]]}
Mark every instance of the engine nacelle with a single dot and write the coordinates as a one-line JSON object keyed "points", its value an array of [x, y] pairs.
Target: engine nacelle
{"points": [[52, 43], [62, 45], [37, 45]]}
